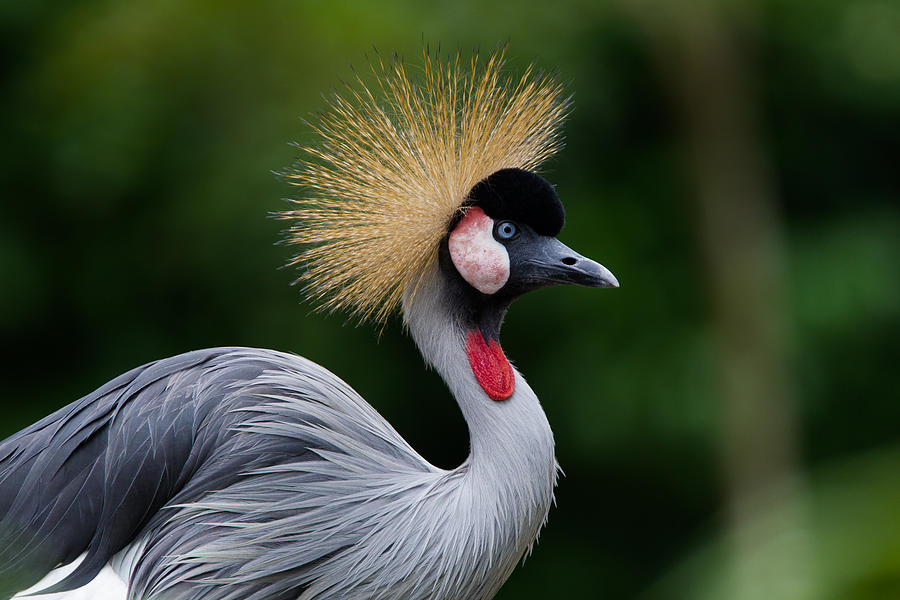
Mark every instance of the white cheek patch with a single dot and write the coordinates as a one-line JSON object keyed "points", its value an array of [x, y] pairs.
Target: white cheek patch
{"points": [[481, 260]]}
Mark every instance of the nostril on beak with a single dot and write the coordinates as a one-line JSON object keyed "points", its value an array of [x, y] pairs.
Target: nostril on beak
{"points": [[569, 261]]}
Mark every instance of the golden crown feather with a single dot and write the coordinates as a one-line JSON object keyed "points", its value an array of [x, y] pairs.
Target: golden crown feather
{"points": [[394, 163]]}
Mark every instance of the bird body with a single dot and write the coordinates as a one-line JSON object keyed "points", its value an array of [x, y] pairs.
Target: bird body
{"points": [[238, 473], [308, 479]]}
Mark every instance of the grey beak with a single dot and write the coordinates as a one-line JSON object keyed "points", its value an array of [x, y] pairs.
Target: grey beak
{"points": [[550, 262]]}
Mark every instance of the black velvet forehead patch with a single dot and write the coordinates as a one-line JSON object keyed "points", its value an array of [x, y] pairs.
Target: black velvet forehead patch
{"points": [[522, 196]]}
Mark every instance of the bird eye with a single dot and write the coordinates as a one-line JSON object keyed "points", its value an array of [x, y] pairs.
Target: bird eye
{"points": [[506, 230]]}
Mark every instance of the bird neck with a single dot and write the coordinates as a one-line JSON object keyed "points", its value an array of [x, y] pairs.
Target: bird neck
{"points": [[511, 466]]}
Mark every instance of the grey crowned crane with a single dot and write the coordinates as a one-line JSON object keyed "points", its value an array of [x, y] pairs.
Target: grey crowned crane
{"points": [[239, 473]]}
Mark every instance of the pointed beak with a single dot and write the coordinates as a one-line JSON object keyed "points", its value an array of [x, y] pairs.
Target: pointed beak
{"points": [[550, 262]]}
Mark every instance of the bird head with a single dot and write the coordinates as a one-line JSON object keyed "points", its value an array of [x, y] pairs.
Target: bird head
{"points": [[503, 246], [438, 171]]}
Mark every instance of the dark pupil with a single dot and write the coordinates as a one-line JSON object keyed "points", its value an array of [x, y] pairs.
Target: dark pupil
{"points": [[506, 229]]}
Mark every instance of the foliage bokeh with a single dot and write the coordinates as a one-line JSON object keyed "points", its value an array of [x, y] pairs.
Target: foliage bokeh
{"points": [[137, 144]]}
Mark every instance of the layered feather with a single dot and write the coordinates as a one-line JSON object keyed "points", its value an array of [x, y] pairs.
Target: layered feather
{"points": [[393, 164]]}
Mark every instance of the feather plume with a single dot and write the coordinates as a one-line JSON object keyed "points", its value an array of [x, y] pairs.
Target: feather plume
{"points": [[393, 164]]}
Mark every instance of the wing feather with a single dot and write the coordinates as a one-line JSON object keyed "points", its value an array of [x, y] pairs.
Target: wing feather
{"points": [[113, 467]]}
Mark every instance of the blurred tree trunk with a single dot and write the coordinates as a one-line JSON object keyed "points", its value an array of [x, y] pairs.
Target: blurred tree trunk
{"points": [[707, 74]]}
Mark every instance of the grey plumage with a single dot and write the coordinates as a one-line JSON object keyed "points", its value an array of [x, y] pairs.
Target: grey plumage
{"points": [[263, 471]]}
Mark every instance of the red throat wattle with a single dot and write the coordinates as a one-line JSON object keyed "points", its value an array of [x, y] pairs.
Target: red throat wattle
{"points": [[492, 370]]}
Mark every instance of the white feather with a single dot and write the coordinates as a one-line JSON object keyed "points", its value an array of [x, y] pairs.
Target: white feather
{"points": [[105, 586]]}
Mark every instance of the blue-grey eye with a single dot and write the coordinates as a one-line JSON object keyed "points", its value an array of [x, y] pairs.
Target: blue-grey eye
{"points": [[506, 230]]}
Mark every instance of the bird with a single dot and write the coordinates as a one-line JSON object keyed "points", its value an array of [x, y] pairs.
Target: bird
{"points": [[253, 474]]}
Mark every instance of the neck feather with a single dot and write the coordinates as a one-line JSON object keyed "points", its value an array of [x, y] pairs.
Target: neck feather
{"points": [[511, 469]]}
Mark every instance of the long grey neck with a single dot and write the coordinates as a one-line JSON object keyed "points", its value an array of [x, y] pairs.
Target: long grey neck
{"points": [[511, 467]]}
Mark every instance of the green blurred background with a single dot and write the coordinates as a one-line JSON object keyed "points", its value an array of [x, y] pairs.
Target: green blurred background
{"points": [[728, 420]]}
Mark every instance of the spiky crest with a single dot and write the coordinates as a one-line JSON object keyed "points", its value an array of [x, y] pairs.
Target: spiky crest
{"points": [[394, 163]]}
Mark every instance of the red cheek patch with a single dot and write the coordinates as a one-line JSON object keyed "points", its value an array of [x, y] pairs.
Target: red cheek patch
{"points": [[494, 373], [481, 260]]}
